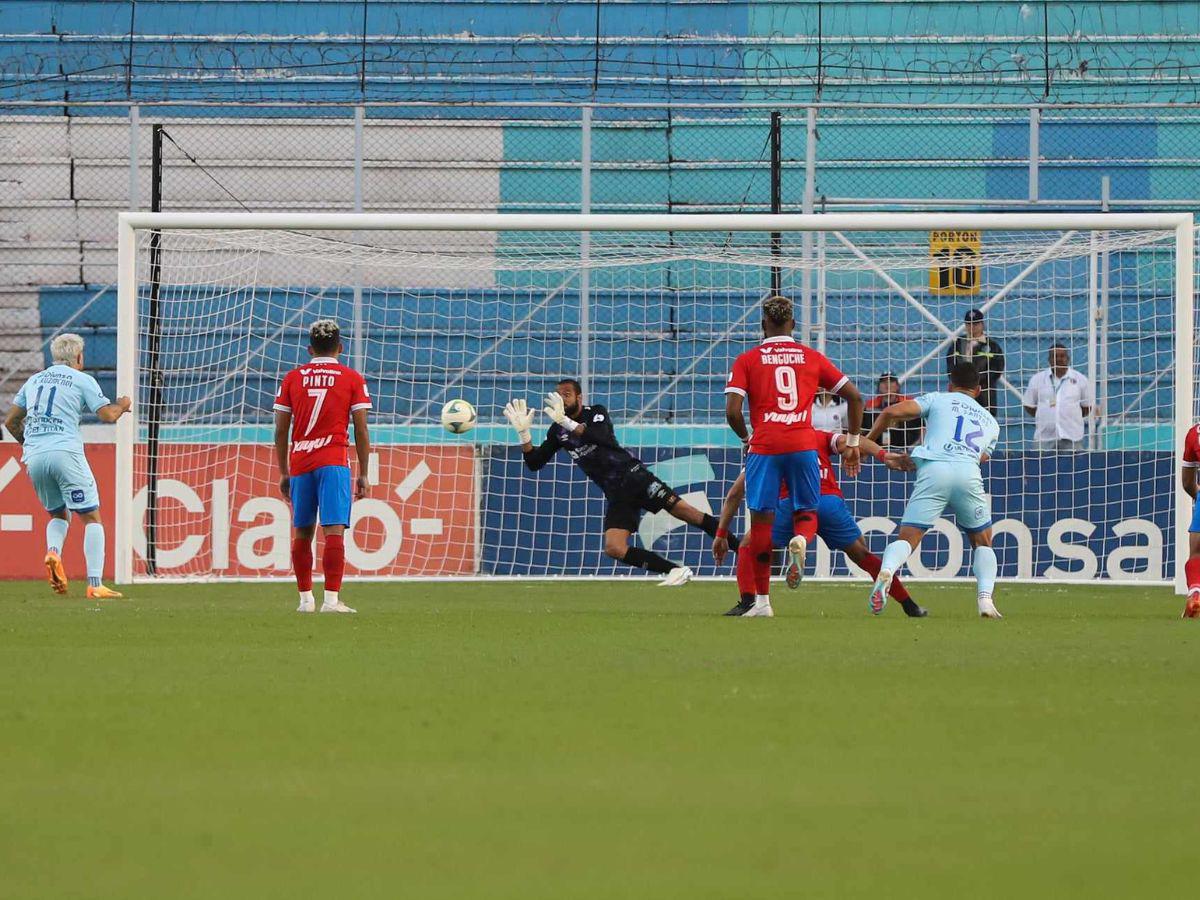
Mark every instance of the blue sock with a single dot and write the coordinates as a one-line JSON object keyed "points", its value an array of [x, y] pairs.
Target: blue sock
{"points": [[56, 535], [895, 555], [984, 565], [93, 552]]}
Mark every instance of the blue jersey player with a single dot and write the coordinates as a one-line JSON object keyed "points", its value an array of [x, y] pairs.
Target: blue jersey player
{"points": [[45, 418], [959, 436]]}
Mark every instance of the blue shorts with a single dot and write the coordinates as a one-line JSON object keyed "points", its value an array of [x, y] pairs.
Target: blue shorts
{"points": [[766, 474], [63, 480], [326, 489], [942, 483], [1195, 526], [835, 525]]}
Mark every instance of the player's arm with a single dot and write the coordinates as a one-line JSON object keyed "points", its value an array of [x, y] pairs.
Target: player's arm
{"points": [[597, 431], [901, 462], [729, 508], [15, 422], [1190, 462], [283, 427], [897, 412], [520, 417], [841, 385], [734, 416], [112, 411], [95, 400], [362, 449]]}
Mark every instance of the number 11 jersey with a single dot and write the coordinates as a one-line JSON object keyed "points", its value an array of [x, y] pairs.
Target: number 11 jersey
{"points": [[957, 428], [321, 395]]}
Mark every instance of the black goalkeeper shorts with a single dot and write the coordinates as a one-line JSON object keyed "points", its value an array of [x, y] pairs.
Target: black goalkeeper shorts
{"points": [[640, 492]]}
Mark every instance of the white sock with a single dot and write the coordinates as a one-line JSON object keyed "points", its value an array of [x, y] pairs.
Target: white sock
{"points": [[56, 535], [93, 552], [307, 597], [894, 556], [330, 599], [762, 599]]}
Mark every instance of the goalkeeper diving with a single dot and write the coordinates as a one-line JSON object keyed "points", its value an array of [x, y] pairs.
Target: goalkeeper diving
{"points": [[45, 418], [630, 488]]}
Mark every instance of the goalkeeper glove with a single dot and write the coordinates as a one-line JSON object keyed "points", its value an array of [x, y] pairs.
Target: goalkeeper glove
{"points": [[554, 409], [520, 416]]}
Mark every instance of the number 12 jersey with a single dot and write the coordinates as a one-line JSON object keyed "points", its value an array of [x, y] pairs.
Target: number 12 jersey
{"points": [[957, 428]]}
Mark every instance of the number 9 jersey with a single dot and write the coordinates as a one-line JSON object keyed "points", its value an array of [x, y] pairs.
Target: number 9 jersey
{"points": [[957, 428], [780, 378], [321, 395]]}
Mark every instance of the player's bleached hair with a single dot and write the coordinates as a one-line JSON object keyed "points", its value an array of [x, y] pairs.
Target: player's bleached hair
{"points": [[778, 310], [65, 349], [324, 335]]}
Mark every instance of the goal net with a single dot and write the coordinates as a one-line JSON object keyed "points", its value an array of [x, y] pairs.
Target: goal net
{"points": [[215, 310]]}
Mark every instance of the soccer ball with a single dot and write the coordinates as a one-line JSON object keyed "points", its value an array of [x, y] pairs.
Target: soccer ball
{"points": [[458, 417]]}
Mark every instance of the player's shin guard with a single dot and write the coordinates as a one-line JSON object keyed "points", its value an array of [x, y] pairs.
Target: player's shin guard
{"points": [[302, 563], [984, 566], [56, 535], [871, 564], [895, 555], [333, 562], [645, 559], [93, 552], [1191, 569]]}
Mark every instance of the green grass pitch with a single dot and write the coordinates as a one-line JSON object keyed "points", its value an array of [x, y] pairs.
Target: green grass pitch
{"points": [[599, 740]]}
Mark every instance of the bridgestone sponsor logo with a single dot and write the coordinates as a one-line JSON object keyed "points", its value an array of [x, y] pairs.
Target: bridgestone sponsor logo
{"points": [[314, 444], [791, 418]]}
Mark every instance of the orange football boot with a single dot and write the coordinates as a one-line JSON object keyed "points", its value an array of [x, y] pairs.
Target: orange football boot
{"points": [[55, 573]]}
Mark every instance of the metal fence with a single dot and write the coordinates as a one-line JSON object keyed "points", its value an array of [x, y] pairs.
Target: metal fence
{"points": [[66, 176]]}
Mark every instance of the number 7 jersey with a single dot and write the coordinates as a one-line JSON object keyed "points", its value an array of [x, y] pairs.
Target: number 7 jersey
{"points": [[957, 428], [321, 396]]}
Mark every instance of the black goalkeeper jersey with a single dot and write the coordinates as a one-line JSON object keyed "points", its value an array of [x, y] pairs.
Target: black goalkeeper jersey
{"points": [[596, 451]]}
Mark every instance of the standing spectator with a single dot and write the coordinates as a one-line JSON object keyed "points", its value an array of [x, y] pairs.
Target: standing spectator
{"points": [[981, 351], [829, 413], [1059, 398], [903, 434]]}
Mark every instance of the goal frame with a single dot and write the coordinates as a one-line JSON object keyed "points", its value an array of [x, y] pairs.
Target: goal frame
{"points": [[129, 223]]}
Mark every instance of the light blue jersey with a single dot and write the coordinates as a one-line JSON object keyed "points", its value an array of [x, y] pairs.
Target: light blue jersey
{"points": [[957, 428], [54, 401], [957, 432]]}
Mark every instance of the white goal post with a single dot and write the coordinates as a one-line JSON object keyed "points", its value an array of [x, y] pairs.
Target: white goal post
{"points": [[409, 278]]}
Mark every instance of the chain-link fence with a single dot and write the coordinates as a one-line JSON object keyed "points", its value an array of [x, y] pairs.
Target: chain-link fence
{"points": [[66, 177]]}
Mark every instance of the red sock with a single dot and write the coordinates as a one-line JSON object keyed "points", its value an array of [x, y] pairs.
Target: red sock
{"points": [[333, 561], [745, 568], [1192, 569], [760, 553], [805, 523], [872, 564], [302, 563]]}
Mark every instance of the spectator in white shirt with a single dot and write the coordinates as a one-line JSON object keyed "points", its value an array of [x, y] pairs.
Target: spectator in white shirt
{"points": [[829, 412], [1060, 399]]}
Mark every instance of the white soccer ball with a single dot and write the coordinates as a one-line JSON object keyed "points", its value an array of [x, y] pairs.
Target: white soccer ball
{"points": [[458, 417]]}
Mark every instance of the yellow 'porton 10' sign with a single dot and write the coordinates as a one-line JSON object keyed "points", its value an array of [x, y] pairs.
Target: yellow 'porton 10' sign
{"points": [[954, 261]]}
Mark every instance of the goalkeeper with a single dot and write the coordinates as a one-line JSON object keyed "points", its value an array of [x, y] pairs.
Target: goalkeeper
{"points": [[586, 433]]}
